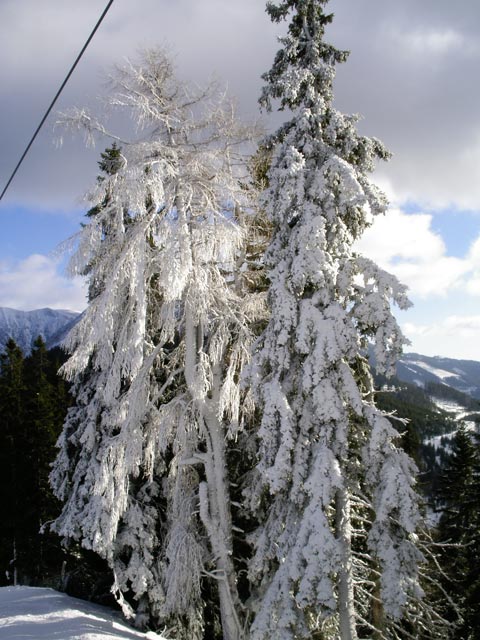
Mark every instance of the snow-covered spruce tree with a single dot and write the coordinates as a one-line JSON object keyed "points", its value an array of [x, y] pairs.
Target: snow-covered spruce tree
{"points": [[156, 357], [336, 554]]}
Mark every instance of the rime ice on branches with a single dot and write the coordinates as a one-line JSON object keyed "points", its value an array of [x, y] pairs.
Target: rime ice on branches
{"points": [[156, 357]]}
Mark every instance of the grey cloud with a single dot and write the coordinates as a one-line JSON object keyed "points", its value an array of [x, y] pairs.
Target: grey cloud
{"points": [[424, 106]]}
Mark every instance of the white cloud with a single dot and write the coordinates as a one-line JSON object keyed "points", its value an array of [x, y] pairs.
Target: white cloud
{"points": [[428, 42], [455, 325], [472, 284], [445, 290], [432, 42], [462, 325], [454, 336], [443, 172], [36, 282], [405, 245]]}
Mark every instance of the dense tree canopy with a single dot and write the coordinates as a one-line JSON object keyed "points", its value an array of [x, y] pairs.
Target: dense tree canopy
{"points": [[32, 409], [459, 529]]}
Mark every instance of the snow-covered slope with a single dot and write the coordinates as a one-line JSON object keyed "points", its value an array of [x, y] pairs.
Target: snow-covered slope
{"points": [[458, 412], [25, 326], [45, 614], [463, 375]]}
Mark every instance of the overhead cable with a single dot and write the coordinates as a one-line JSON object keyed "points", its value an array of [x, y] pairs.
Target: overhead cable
{"points": [[47, 113]]}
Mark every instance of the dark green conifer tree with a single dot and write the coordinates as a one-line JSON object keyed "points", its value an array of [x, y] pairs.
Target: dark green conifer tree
{"points": [[12, 461], [459, 532], [42, 425], [472, 586], [33, 405]]}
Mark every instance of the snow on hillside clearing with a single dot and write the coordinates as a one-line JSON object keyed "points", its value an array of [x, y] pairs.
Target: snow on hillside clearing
{"points": [[440, 373], [32, 612], [456, 410]]}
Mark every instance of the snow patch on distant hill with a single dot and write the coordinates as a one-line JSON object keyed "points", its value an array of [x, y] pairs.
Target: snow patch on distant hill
{"points": [[443, 441], [456, 411], [44, 614], [439, 373], [450, 406]]}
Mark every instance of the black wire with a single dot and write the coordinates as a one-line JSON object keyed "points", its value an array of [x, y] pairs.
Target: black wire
{"points": [[47, 113]]}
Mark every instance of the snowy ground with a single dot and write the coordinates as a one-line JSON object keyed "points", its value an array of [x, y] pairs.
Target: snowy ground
{"points": [[45, 614]]}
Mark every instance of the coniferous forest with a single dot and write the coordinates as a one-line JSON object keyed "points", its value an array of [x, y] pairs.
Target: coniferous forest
{"points": [[34, 401], [216, 450]]}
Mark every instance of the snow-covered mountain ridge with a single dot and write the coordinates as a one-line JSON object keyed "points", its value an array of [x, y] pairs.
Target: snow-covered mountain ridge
{"points": [[462, 375], [25, 326], [53, 325]]}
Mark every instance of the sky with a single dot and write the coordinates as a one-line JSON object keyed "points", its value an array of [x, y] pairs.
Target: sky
{"points": [[412, 75]]}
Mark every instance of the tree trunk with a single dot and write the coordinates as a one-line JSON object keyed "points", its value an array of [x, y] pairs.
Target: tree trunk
{"points": [[214, 494], [220, 526], [14, 563], [346, 603], [378, 613]]}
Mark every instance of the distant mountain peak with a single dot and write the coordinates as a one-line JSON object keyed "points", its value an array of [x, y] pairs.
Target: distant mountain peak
{"points": [[462, 375], [25, 326]]}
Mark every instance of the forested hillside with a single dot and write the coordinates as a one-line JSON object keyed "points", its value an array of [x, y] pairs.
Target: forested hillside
{"points": [[430, 427], [463, 375]]}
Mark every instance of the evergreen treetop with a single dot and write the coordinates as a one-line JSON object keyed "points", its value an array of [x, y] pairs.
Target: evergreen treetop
{"points": [[305, 59]]}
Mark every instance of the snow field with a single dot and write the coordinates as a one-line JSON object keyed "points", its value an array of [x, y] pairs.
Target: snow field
{"points": [[32, 612]]}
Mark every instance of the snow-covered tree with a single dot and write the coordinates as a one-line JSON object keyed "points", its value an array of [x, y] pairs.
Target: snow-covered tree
{"points": [[336, 553], [157, 356]]}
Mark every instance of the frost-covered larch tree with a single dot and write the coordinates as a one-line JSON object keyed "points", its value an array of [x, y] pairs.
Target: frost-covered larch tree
{"points": [[336, 553], [157, 355]]}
